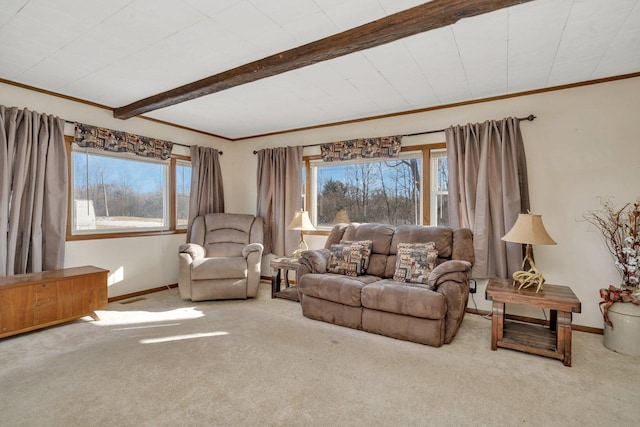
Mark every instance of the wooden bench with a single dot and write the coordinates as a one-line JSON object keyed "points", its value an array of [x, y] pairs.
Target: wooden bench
{"points": [[37, 300]]}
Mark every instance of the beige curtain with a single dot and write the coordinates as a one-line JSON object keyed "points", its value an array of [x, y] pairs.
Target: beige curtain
{"points": [[33, 192], [488, 188], [207, 194], [279, 196]]}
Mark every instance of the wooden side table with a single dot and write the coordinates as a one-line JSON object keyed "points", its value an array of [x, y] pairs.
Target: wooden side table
{"points": [[281, 268], [552, 341]]}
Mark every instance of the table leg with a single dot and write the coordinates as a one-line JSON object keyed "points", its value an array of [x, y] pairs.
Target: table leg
{"points": [[553, 320], [564, 336], [497, 324], [275, 283]]}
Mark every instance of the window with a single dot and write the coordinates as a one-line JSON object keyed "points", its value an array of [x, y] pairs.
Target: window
{"points": [[126, 194], [368, 191], [373, 190]]}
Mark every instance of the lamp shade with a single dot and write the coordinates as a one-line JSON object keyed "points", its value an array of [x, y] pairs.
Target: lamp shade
{"points": [[529, 229], [301, 222], [341, 217]]}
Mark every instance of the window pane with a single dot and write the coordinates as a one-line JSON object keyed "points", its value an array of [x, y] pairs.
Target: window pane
{"points": [[304, 187], [443, 174], [442, 210], [183, 189], [117, 193], [439, 188], [381, 191]]}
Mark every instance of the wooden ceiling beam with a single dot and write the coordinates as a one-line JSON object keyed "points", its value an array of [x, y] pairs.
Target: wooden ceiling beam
{"points": [[425, 17]]}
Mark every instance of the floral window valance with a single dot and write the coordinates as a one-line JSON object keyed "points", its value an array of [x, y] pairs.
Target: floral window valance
{"points": [[363, 148], [121, 142]]}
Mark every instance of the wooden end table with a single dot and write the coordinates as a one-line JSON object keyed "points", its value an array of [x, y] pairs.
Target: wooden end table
{"points": [[281, 268], [552, 341]]}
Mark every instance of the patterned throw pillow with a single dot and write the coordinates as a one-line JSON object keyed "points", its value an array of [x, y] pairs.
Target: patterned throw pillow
{"points": [[346, 258], [415, 261], [366, 251]]}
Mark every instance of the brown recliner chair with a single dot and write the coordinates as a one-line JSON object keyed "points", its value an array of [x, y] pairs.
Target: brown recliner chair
{"points": [[222, 260]]}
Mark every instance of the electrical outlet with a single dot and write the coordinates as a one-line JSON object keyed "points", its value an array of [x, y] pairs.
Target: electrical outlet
{"points": [[472, 286]]}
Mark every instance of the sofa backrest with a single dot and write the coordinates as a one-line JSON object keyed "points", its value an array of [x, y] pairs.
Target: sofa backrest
{"points": [[450, 244], [380, 236], [226, 234]]}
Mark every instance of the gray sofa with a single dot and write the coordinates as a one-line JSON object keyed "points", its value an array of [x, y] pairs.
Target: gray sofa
{"points": [[428, 313]]}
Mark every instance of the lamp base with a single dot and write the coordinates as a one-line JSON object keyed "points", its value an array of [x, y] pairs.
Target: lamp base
{"points": [[531, 277], [303, 247]]}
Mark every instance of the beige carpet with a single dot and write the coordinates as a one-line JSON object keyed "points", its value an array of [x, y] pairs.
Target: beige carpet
{"points": [[160, 361]]}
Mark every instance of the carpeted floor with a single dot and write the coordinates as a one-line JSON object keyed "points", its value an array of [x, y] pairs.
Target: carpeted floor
{"points": [[160, 361]]}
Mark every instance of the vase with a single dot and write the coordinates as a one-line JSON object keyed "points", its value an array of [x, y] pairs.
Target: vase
{"points": [[624, 337]]}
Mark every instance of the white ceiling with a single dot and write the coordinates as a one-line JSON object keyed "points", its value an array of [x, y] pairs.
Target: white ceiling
{"points": [[115, 52]]}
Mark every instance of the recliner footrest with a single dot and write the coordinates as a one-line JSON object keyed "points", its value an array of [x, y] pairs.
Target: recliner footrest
{"points": [[412, 299]]}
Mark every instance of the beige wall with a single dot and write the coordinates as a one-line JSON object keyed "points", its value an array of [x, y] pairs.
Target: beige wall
{"points": [[134, 263], [582, 146]]}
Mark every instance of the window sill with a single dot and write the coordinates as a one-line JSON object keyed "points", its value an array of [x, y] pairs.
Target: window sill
{"points": [[320, 232], [98, 236]]}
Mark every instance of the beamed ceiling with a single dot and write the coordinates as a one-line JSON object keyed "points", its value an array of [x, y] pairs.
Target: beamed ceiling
{"points": [[241, 68]]}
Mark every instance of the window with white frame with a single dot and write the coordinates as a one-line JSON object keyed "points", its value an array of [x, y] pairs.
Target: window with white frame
{"points": [[380, 190], [385, 191]]}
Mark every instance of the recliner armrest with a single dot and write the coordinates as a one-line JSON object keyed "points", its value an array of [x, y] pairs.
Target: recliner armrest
{"points": [[193, 249], [252, 247], [253, 254]]}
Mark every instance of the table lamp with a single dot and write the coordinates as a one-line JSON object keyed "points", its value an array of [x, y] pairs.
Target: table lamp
{"points": [[301, 222], [528, 230], [341, 217]]}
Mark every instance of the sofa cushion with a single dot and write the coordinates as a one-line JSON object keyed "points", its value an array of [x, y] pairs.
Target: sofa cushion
{"points": [[380, 236], [335, 235], [335, 287], [346, 258], [411, 299], [219, 268], [441, 236], [415, 261]]}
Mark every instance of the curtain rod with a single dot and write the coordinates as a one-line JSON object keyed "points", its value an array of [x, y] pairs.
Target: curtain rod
{"points": [[530, 118], [174, 143]]}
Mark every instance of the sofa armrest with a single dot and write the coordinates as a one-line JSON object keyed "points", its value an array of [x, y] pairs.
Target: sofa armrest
{"points": [[192, 249], [451, 279], [455, 270], [313, 261]]}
